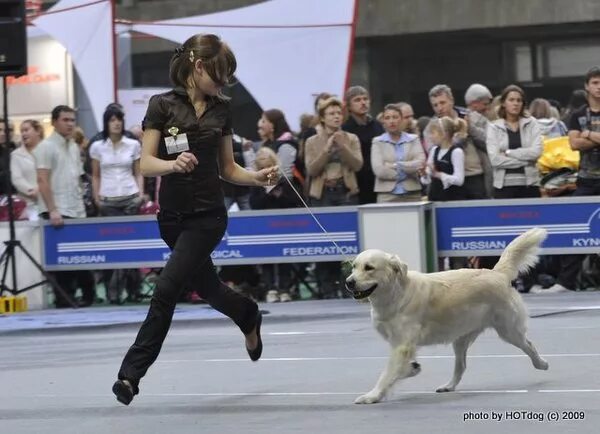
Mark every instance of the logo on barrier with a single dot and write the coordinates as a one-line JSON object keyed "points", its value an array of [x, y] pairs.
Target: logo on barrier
{"points": [[259, 237], [490, 228]]}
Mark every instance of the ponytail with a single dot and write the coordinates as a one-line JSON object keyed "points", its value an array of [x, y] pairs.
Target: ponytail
{"points": [[453, 128], [459, 128]]}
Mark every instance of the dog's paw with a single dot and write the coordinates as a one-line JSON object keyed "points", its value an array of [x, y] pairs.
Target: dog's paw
{"points": [[542, 365], [445, 388], [415, 369], [368, 398]]}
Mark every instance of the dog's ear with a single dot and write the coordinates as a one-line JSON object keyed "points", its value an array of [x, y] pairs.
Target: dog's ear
{"points": [[399, 267]]}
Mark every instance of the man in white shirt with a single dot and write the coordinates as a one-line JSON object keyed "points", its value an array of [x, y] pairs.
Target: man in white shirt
{"points": [[59, 169]]}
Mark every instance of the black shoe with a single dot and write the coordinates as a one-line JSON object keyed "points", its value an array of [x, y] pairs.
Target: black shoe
{"points": [[256, 352], [546, 281], [135, 298], [84, 303], [124, 391]]}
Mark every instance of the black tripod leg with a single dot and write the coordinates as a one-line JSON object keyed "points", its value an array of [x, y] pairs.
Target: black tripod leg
{"points": [[5, 257], [49, 277]]}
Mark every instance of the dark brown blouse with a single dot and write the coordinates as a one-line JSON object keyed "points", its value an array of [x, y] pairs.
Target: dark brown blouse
{"points": [[172, 112]]}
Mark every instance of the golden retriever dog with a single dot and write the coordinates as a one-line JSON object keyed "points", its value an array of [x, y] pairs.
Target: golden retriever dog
{"points": [[411, 309]]}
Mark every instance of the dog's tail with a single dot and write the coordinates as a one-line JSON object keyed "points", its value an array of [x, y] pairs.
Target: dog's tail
{"points": [[521, 254]]}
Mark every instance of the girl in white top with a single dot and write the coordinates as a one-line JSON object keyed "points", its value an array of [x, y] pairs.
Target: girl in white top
{"points": [[23, 169], [445, 170], [118, 188], [116, 178]]}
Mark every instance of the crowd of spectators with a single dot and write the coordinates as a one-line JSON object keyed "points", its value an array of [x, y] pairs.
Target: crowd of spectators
{"points": [[489, 148]]}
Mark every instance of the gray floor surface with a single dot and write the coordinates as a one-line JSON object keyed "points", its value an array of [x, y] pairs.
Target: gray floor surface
{"points": [[319, 355]]}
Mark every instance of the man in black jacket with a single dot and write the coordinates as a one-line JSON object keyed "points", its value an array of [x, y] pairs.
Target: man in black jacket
{"points": [[358, 104]]}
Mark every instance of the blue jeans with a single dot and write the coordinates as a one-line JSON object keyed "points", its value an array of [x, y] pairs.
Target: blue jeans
{"points": [[243, 202]]}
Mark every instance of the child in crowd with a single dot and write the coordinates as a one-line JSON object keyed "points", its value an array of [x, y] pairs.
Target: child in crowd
{"points": [[445, 168]]}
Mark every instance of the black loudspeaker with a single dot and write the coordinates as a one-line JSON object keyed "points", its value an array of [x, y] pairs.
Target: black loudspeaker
{"points": [[13, 38]]}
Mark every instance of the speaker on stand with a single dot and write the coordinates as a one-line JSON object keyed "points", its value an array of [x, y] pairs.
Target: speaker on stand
{"points": [[13, 38], [13, 62]]}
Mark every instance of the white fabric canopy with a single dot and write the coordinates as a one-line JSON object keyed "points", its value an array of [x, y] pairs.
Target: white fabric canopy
{"points": [[288, 51], [85, 29]]}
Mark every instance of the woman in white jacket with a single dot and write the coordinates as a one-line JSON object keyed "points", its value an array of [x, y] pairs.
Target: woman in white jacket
{"points": [[514, 144], [22, 166], [396, 157]]}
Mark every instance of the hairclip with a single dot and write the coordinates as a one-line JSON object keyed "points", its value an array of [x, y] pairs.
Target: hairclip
{"points": [[192, 56], [179, 50]]}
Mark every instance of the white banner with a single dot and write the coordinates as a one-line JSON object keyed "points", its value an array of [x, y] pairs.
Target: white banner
{"points": [[48, 82], [288, 51], [135, 104], [85, 29]]}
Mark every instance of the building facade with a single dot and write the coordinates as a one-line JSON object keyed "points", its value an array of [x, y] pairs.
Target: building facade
{"points": [[404, 47]]}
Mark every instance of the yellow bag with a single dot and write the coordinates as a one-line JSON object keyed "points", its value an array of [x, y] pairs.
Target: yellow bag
{"points": [[557, 154]]}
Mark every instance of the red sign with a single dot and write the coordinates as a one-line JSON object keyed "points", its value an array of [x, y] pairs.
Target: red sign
{"points": [[33, 76]]}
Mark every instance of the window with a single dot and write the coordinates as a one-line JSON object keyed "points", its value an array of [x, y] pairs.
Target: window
{"points": [[523, 64], [570, 59]]}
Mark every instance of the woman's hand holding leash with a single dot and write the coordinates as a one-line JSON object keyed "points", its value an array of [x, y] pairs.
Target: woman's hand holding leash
{"points": [[267, 176]]}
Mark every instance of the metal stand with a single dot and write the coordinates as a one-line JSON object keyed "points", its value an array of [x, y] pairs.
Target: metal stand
{"points": [[7, 259]]}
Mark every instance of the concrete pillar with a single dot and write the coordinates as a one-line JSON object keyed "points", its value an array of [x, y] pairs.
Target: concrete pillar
{"points": [[124, 74]]}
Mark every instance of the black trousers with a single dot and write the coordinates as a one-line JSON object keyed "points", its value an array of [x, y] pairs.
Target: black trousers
{"points": [[69, 281], [191, 238], [114, 280], [570, 265], [278, 277], [516, 192], [330, 273], [474, 187]]}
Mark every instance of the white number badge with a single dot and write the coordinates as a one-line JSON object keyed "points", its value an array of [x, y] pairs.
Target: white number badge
{"points": [[177, 142]]}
